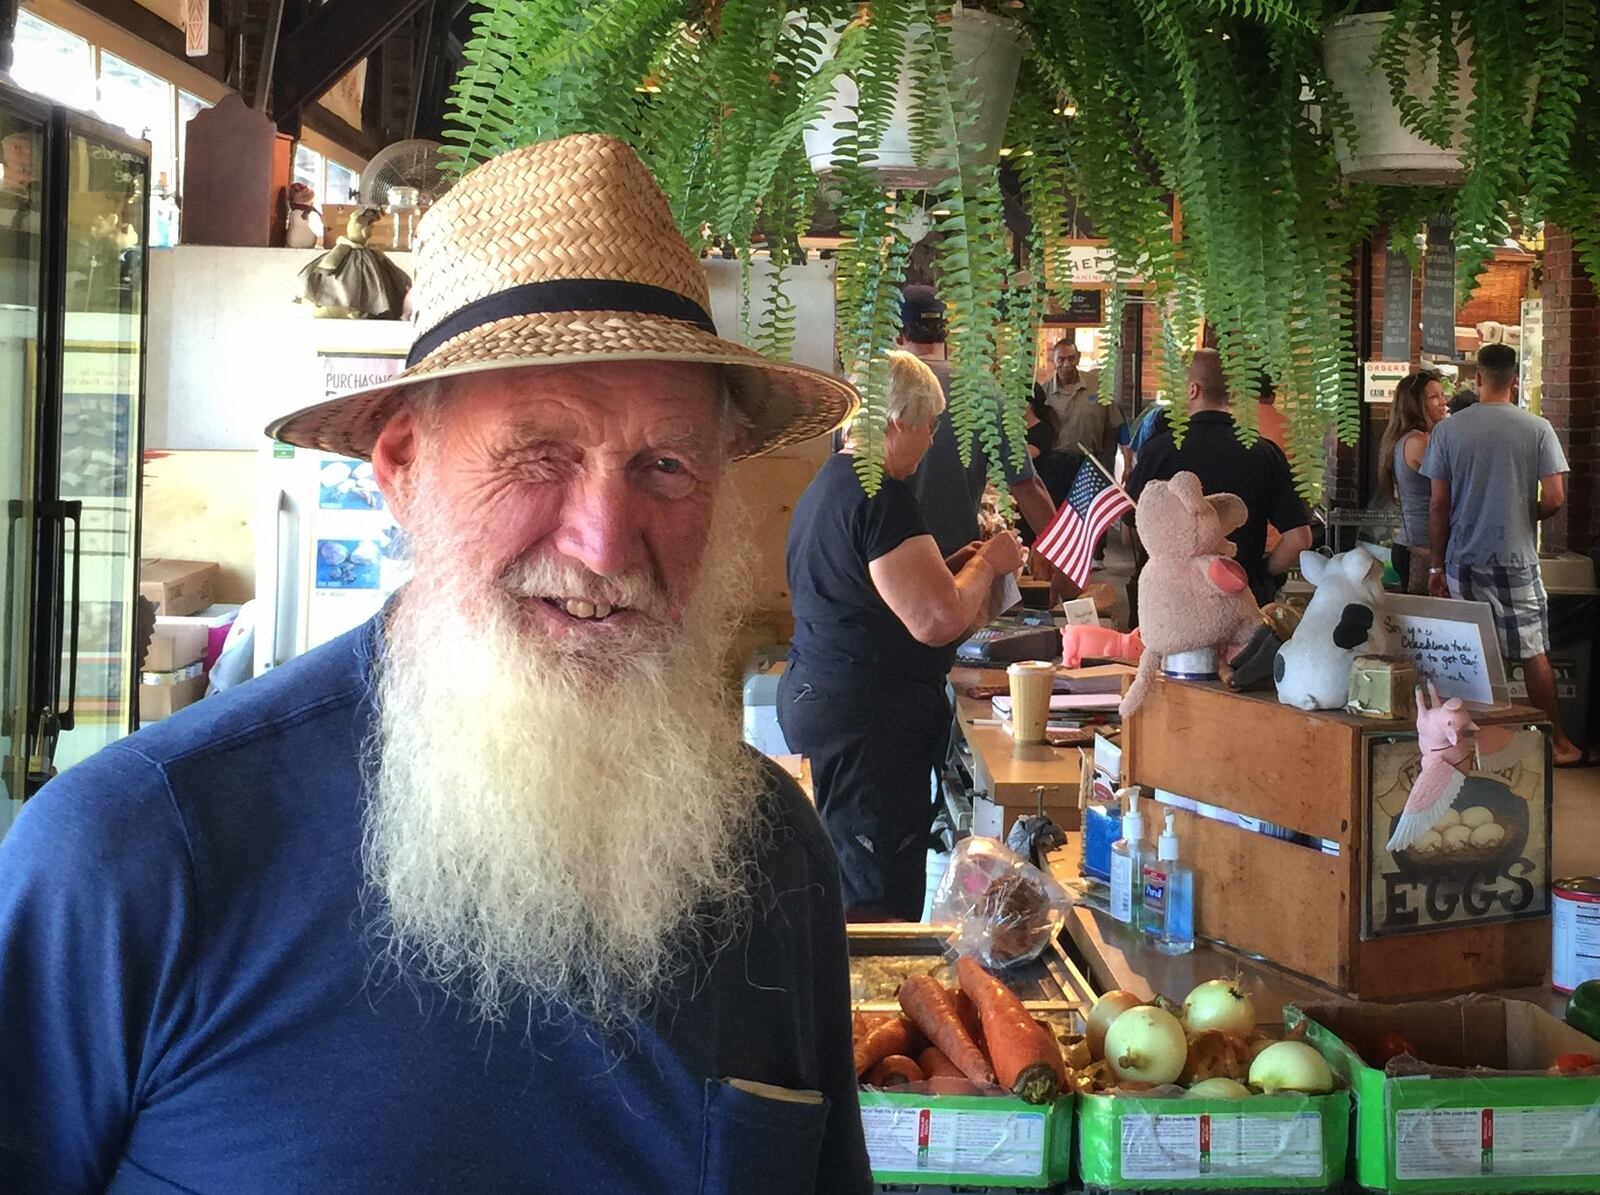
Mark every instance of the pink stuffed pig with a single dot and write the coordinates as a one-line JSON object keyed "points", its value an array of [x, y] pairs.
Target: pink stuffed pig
{"points": [[1192, 593]]}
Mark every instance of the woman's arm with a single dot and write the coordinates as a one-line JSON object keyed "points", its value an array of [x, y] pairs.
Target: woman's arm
{"points": [[935, 607]]}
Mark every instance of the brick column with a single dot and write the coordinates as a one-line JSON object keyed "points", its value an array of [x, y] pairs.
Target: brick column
{"points": [[1571, 378]]}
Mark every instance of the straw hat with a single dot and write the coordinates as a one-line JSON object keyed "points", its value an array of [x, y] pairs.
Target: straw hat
{"points": [[559, 253]]}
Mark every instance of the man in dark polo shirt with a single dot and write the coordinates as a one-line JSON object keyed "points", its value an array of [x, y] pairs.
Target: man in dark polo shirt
{"points": [[1259, 475]]}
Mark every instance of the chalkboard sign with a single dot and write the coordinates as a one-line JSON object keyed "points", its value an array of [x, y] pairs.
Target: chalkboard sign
{"points": [[1085, 307], [1397, 318], [1439, 292]]}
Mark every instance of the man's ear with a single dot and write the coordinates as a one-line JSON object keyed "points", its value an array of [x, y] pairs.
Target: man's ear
{"points": [[395, 456]]}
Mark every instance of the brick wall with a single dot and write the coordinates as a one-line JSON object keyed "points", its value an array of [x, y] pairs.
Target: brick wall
{"points": [[1571, 380]]}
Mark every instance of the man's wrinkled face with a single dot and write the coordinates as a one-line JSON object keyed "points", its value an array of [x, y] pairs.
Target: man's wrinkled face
{"points": [[1066, 357], [584, 492]]}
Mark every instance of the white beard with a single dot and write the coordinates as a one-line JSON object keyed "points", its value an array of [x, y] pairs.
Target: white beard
{"points": [[541, 824]]}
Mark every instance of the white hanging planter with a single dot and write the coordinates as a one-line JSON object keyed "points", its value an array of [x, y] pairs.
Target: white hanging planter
{"points": [[984, 48], [1386, 151]]}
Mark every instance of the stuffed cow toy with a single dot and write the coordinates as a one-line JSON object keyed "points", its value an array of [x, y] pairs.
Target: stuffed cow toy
{"points": [[1312, 670], [1192, 593]]}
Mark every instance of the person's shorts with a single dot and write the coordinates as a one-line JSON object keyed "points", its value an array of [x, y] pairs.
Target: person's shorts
{"points": [[1516, 597]]}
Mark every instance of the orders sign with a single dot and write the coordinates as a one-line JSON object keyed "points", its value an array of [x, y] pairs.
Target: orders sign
{"points": [[1490, 860]]}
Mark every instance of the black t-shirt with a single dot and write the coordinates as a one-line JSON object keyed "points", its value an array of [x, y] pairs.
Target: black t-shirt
{"points": [[840, 622], [1258, 475]]}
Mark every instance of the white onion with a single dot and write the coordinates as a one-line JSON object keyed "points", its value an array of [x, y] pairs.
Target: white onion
{"points": [[1106, 1010], [1146, 1044], [1219, 1088], [1219, 1004], [1291, 1066]]}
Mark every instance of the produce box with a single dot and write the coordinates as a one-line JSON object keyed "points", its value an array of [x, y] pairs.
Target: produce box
{"points": [[178, 586], [162, 694], [967, 1140], [1262, 1142], [1480, 1113]]}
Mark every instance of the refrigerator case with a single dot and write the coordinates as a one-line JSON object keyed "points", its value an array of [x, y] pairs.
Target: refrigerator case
{"points": [[329, 552], [73, 236]]}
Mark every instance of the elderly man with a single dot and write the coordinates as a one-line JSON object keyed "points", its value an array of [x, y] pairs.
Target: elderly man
{"points": [[1082, 421], [486, 895]]}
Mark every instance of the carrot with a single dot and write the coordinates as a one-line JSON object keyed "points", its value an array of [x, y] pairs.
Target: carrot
{"points": [[968, 1012], [1026, 1060], [894, 1071], [933, 1010], [893, 1036], [935, 1062], [1058, 1057]]}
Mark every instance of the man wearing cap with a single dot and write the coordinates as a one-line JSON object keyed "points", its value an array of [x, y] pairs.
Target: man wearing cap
{"points": [[486, 895]]}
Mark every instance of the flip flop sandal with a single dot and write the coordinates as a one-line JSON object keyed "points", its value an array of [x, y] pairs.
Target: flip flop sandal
{"points": [[1588, 758]]}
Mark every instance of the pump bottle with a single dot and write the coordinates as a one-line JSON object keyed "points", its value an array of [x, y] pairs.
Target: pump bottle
{"points": [[1127, 864], [1169, 895]]}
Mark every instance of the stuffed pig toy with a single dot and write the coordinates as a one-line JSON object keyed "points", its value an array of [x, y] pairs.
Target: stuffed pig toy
{"points": [[1192, 593], [1313, 669]]}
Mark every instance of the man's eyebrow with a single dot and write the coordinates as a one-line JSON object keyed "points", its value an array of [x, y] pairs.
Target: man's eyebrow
{"points": [[687, 439]]}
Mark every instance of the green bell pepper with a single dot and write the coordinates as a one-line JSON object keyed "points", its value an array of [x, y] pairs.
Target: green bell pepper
{"points": [[1583, 1010]]}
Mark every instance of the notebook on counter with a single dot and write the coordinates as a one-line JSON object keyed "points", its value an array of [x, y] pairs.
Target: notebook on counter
{"points": [[1063, 703]]}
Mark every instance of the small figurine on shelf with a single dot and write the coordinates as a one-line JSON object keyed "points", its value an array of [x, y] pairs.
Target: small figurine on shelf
{"points": [[353, 280], [304, 229]]}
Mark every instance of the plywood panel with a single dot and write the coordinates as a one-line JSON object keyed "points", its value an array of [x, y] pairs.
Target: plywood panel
{"points": [[1264, 896], [1248, 754], [768, 488], [1473, 958], [197, 506]]}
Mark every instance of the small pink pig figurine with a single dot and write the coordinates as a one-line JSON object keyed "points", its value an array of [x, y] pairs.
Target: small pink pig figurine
{"points": [[1446, 736]]}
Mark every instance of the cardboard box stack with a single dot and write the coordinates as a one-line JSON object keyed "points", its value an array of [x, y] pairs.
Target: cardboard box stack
{"points": [[173, 674]]}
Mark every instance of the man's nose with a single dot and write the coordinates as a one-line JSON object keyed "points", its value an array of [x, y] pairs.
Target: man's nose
{"points": [[600, 524]]}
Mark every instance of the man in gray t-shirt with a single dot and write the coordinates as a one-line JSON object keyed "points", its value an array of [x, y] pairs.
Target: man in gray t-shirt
{"points": [[1496, 471]]}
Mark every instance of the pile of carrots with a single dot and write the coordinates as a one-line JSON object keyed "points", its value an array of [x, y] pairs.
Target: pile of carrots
{"points": [[962, 1042]]}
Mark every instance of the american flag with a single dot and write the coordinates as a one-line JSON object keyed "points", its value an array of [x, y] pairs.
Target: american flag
{"points": [[1092, 505]]}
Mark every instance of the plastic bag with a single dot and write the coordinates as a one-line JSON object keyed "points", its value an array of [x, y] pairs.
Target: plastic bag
{"points": [[1004, 909]]}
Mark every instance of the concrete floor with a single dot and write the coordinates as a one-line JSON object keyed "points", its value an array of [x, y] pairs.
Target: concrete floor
{"points": [[1575, 848]]}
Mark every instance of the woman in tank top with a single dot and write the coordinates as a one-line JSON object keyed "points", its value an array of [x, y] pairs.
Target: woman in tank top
{"points": [[1418, 406]]}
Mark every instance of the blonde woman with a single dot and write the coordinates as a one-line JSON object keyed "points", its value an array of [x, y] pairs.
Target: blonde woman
{"points": [[877, 615], [1418, 406]]}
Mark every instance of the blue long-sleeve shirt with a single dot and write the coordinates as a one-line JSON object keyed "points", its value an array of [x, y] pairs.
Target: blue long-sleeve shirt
{"points": [[188, 1001]]}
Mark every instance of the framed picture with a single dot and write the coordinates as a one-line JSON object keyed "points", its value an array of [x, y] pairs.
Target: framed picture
{"points": [[1486, 859]]}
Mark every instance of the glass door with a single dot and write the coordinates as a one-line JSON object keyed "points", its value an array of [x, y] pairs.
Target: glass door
{"points": [[22, 205], [107, 184]]}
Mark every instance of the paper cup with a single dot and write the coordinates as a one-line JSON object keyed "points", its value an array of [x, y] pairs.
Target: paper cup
{"points": [[1031, 682]]}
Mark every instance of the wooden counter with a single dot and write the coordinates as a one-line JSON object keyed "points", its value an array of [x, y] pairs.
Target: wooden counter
{"points": [[1009, 775]]}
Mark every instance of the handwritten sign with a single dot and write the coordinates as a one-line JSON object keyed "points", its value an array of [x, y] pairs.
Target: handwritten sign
{"points": [[1439, 292], [1451, 643], [1397, 319]]}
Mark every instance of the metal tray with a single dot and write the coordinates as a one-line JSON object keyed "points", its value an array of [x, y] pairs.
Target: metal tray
{"points": [[884, 954]]}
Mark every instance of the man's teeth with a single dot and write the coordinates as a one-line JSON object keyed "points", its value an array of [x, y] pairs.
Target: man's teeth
{"points": [[579, 608]]}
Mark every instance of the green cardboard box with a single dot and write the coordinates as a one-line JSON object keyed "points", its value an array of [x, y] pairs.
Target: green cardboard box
{"points": [[967, 1140], [1467, 1120], [1263, 1142]]}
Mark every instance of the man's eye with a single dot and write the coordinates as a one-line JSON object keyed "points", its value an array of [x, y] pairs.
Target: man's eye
{"points": [[668, 465]]}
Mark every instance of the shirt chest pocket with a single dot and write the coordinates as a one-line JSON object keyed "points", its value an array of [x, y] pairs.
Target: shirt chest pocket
{"points": [[761, 1138]]}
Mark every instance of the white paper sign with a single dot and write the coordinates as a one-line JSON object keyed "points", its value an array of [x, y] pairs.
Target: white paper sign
{"points": [[1451, 643], [196, 28], [1081, 612], [1380, 378]]}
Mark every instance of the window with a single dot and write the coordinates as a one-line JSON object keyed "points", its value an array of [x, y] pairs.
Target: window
{"points": [[343, 184], [308, 169], [142, 104], [53, 63]]}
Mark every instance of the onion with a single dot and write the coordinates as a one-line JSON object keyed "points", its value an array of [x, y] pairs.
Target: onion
{"points": [[1146, 1045], [1219, 1088], [1107, 1009], [1219, 1004], [1291, 1066], [1214, 1054]]}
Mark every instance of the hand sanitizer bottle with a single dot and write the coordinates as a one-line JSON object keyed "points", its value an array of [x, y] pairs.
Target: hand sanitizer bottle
{"points": [[1127, 864], [1169, 895]]}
